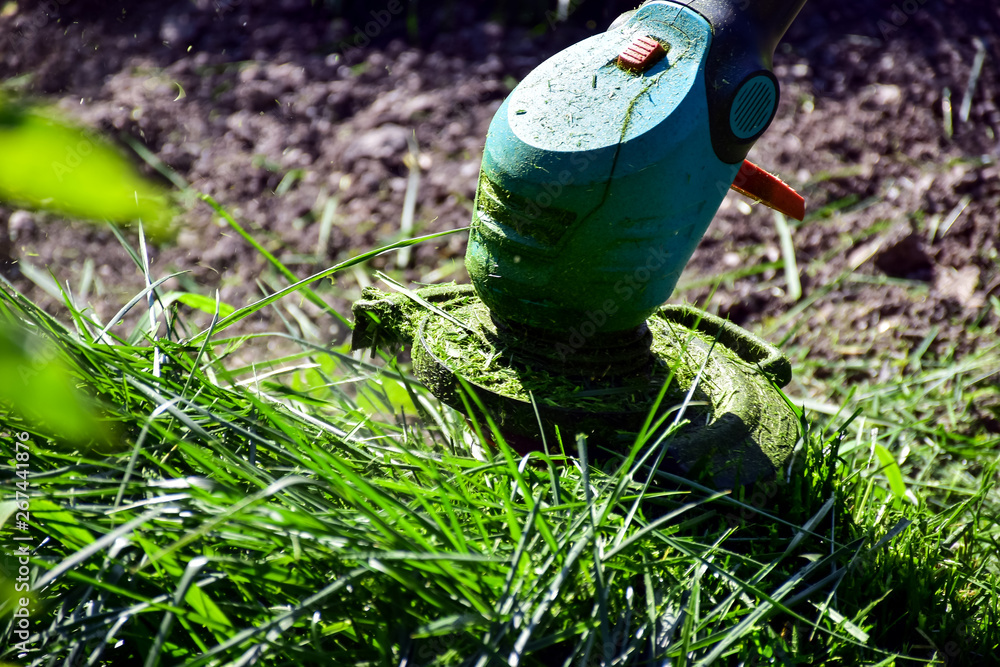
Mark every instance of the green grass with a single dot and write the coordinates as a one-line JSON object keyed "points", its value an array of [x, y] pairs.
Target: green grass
{"points": [[319, 508]]}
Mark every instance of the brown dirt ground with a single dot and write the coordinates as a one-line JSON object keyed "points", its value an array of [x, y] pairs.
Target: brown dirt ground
{"points": [[237, 95]]}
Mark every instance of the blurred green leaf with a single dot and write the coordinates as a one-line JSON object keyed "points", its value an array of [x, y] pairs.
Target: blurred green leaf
{"points": [[47, 163], [37, 386]]}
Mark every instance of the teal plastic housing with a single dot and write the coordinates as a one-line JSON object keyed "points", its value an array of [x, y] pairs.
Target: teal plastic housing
{"points": [[598, 183]]}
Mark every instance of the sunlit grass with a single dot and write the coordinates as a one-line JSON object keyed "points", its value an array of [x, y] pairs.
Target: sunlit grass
{"points": [[329, 511]]}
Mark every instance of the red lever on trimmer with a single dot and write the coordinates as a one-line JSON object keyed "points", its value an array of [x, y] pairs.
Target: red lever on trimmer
{"points": [[641, 54], [769, 190]]}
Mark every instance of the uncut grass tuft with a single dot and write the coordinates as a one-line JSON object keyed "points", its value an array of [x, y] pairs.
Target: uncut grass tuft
{"points": [[330, 511]]}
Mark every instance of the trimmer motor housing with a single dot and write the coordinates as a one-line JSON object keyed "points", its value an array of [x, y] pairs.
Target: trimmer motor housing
{"points": [[601, 172]]}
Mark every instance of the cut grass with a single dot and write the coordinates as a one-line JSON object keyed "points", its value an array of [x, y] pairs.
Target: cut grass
{"points": [[329, 511]]}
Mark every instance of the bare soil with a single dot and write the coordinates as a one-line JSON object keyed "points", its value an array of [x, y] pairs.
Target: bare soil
{"points": [[271, 108]]}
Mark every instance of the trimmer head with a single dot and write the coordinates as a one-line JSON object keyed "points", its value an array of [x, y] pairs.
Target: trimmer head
{"points": [[716, 379]]}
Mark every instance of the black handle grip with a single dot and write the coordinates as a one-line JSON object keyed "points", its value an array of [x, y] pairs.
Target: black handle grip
{"points": [[742, 90], [760, 24]]}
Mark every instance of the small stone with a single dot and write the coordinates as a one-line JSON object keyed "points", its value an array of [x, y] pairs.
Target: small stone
{"points": [[886, 95], [960, 285], [21, 222], [383, 143]]}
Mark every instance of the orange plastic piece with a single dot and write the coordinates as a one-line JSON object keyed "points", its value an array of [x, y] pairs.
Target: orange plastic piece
{"points": [[769, 190], [641, 54]]}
